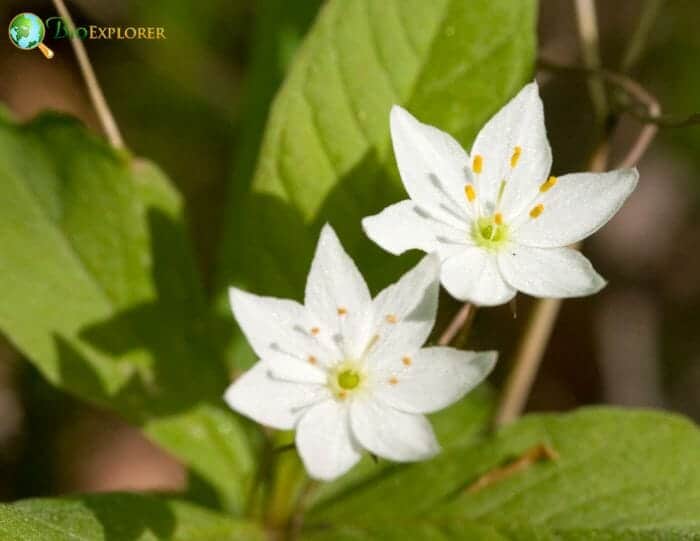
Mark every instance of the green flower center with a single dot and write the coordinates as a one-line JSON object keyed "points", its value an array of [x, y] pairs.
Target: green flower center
{"points": [[490, 232], [348, 379]]}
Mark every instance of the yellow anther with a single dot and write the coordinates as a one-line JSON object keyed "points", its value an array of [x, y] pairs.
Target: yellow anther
{"points": [[470, 192], [393, 380], [407, 361], [477, 163], [536, 210], [516, 156], [342, 395], [391, 318], [547, 184], [342, 311], [312, 359], [315, 330], [498, 218]]}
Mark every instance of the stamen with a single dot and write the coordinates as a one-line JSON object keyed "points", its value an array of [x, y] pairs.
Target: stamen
{"points": [[370, 345], [407, 361], [501, 189], [393, 380], [477, 164], [547, 184], [516, 156], [391, 318], [498, 218], [315, 331], [536, 210], [470, 192], [342, 311], [342, 395], [312, 359]]}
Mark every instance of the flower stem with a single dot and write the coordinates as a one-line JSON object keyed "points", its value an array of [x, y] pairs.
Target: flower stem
{"points": [[104, 114], [635, 48], [588, 37], [528, 356], [462, 319]]}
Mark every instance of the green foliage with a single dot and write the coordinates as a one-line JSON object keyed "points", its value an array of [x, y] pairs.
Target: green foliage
{"points": [[326, 154], [100, 290], [621, 475], [118, 517]]}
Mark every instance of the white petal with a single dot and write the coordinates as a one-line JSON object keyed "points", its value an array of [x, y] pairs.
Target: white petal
{"points": [[390, 433], [473, 275], [336, 293], [576, 207], [404, 312], [549, 272], [268, 401], [433, 166], [433, 378], [274, 325], [520, 123], [405, 225], [293, 369], [325, 442]]}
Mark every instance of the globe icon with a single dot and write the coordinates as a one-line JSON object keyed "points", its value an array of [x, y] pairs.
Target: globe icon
{"points": [[27, 31]]}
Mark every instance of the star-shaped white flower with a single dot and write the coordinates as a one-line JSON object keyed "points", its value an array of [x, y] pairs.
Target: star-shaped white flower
{"points": [[347, 371], [498, 221]]}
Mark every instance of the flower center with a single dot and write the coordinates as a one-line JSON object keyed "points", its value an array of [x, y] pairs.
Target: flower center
{"points": [[490, 232], [348, 379], [345, 378]]}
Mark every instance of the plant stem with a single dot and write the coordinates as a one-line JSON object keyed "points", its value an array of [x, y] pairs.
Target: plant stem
{"points": [[650, 129], [635, 48], [96, 96], [527, 360], [588, 37], [461, 319]]}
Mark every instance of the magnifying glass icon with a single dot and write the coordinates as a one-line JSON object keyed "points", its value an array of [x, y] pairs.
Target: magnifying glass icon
{"points": [[27, 32]]}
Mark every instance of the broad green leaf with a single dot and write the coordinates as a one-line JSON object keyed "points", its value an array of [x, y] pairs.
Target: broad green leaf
{"points": [[118, 517], [100, 291], [415, 530], [326, 155], [627, 475]]}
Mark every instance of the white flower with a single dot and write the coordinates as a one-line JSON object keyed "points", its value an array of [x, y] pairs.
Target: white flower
{"points": [[348, 372], [499, 223]]}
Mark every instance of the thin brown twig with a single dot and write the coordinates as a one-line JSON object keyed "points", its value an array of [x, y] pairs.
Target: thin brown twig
{"points": [[462, 318], [635, 48], [528, 356], [649, 130], [97, 97], [588, 37], [528, 458]]}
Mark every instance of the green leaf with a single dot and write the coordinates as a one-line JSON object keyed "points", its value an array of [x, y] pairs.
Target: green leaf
{"points": [[118, 517], [100, 291], [326, 155], [621, 475]]}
